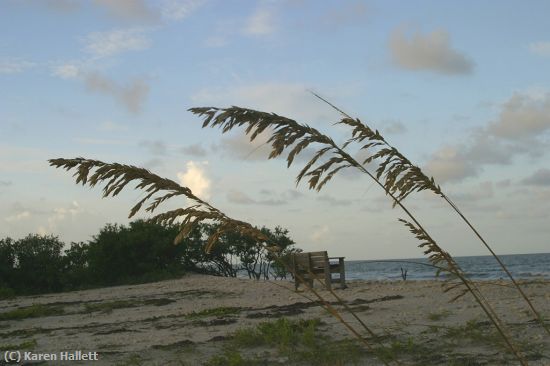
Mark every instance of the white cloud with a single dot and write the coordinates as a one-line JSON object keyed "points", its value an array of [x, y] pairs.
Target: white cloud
{"points": [[59, 215], [195, 179], [540, 48], [522, 116], [522, 121], [319, 233], [14, 65], [104, 44], [18, 217], [430, 52], [67, 71], [239, 198], [179, 9], [448, 164], [132, 95], [291, 100], [260, 23]]}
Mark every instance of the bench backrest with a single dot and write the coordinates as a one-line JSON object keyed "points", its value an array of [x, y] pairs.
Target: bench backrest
{"points": [[310, 260]]}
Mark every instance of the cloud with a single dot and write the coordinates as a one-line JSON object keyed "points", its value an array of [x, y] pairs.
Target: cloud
{"points": [[14, 65], [319, 233], [152, 164], [132, 96], [178, 10], [67, 71], [156, 147], [539, 178], [334, 201], [430, 52], [260, 23], [58, 215], [287, 99], [194, 150], [482, 191], [105, 44], [243, 199], [521, 122], [239, 198], [24, 215], [448, 164], [522, 116], [484, 148], [540, 48], [394, 127], [239, 146], [5, 183], [134, 10], [195, 179]]}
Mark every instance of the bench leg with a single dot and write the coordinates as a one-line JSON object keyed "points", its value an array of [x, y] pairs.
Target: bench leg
{"points": [[342, 273]]}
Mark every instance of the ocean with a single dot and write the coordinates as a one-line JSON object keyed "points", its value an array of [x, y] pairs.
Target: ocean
{"points": [[522, 266]]}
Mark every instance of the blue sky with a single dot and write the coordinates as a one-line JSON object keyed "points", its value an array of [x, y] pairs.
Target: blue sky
{"points": [[461, 88]]}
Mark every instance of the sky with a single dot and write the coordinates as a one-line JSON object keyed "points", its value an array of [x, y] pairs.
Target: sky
{"points": [[461, 88]]}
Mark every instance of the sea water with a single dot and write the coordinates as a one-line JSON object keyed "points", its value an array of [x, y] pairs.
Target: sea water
{"points": [[522, 266]]}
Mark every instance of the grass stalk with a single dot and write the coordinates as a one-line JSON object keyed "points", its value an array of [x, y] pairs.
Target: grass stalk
{"points": [[118, 176], [446, 198], [288, 133]]}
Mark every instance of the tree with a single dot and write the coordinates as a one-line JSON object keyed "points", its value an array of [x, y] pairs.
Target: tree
{"points": [[118, 253], [7, 264], [37, 263], [75, 267]]}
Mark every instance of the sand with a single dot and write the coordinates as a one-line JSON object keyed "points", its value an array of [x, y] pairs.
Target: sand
{"points": [[150, 324]]}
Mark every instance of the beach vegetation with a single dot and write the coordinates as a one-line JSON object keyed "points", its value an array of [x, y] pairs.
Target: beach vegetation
{"points": [[438, 315], [140, 252], [30, 344], [132, 360], [108, 307], [33, 311], [6, 293], [214, 312], [231, 357], [300, 341]]}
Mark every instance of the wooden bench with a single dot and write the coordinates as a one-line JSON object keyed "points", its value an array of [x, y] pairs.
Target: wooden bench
{"points": [[309, 266]]}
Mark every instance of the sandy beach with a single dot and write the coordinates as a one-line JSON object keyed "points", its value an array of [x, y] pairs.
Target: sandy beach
{"points": [[192, 320]]}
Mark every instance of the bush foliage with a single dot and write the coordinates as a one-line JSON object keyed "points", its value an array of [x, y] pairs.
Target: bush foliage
{"points": [[139, 252]]}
